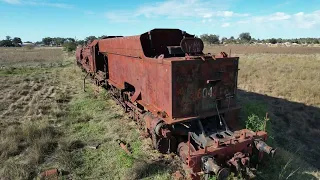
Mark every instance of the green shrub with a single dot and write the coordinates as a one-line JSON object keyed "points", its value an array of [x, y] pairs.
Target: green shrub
{"points": [[70, 46], [255, 123], [255, 114]]}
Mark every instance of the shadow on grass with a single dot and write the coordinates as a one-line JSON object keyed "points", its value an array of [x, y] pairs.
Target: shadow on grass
{"points": [[294, 128], [157, 169]]}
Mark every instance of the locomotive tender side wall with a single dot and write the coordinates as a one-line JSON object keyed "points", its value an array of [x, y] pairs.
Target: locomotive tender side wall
{"points": [[149, 77], [127, 63]]}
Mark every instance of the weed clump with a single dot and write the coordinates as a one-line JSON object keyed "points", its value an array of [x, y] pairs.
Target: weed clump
{"points": [[255, 114], [255, 123]]}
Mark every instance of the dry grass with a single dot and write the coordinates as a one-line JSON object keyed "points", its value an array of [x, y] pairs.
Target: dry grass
{"points": [[292, 77], [254, 49], [28, 109], [17, 57], [286, 82], [47, 121]]}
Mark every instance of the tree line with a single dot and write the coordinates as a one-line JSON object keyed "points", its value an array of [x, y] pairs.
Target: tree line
{"points": [[69, 44], [245, 38], [72, 43], [58, 41], [10, 42], [47, 41]]}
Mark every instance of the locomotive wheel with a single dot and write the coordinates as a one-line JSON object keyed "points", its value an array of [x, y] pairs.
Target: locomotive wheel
{"points": [[164, 145], [183, 151]]}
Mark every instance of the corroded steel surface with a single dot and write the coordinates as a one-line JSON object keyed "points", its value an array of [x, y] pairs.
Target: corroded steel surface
{"points": [[179, 88], [197, 85], [183, 99]]}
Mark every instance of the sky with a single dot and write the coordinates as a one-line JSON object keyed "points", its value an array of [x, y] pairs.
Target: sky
{"points": [[34, 19]]}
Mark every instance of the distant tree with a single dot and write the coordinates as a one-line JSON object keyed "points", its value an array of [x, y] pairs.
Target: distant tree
{"points": [[8, 38], [59, 40], [28, 42], [80, 42], [89, 39], [47, 41], [315, 41], [71, 40], [295, 41], [230, 40], [245, 37], [16, 41], [272, 41], [224, 40], [204, 37], [38, 42], [6, 43], [211, 38]]}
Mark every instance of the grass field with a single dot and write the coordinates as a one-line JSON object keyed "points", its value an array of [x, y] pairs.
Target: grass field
{"points": [[47, 120], [285, 83]]}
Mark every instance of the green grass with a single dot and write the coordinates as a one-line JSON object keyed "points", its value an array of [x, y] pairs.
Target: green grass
{"points": [[96, 119]]}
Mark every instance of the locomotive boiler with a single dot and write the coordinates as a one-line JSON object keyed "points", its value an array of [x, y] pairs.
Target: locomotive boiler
{"points": [[182, 98]]}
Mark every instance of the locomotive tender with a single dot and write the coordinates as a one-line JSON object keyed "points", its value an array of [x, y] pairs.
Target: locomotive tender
{"points": [[183, 99]]}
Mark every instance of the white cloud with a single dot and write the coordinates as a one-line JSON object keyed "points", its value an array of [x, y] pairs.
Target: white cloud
{"points": [[38, 3], [307, 20], [281, 20], [299, 14], [183, 9], [209, 15], [227, 13], [225, 24], [279, 16]]}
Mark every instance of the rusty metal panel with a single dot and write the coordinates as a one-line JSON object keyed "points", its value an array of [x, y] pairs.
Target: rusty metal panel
{"points": [[156, 87], [197, 85], [126, 46], [149, 77]]}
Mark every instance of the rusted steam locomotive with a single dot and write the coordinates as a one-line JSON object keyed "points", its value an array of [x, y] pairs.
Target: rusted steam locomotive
{"points": [[183, 99]]}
